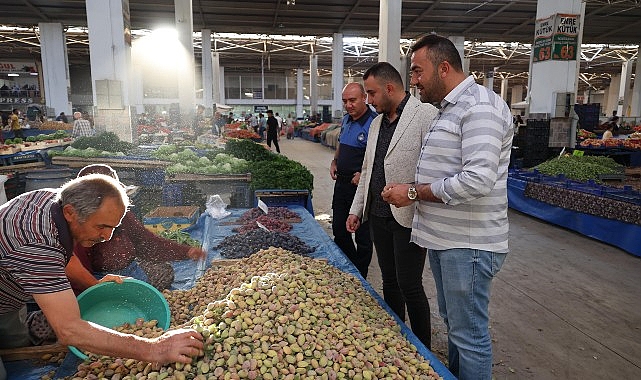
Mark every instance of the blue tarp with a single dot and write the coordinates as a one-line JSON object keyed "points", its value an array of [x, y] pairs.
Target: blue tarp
{"points": [[211, 232], [619, 234]]}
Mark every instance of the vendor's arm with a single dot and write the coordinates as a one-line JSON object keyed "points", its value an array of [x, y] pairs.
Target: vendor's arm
{"points": [[63, 314], [332, 166]]}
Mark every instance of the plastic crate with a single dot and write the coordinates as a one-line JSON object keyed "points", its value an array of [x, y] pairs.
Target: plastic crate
{"points": [[284, 198], [171, 218]]}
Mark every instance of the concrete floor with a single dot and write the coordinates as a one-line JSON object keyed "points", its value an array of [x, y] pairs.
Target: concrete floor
{"points": [[564, 306]]}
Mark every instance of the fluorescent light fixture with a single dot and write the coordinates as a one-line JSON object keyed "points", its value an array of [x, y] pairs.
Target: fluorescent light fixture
{"points": [[249, 94], [34, 74], [13, 75]]}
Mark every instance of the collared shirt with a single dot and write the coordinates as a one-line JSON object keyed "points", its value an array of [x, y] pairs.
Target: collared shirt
{"points": [[465, 158], [82, 128], [377, 182], [353, 141], [35, 246]]}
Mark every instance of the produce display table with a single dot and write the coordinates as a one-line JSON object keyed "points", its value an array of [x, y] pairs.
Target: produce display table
{"points": [[615, 232], [627, 157], [214, 231]]}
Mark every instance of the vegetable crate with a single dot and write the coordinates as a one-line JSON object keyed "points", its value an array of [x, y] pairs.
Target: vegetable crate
{"points": [[284, 198], [171, 218]]}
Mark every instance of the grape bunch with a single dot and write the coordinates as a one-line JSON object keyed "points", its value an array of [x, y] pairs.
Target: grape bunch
{"points": [[244, 245], [268, 222]]}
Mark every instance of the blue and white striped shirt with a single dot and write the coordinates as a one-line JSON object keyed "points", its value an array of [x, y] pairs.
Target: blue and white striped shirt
{"points": [[465, 158]]}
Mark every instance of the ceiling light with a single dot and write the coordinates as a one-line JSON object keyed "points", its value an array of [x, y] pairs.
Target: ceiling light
{"points": [[13, 75], [291, 2], [34, 74]]}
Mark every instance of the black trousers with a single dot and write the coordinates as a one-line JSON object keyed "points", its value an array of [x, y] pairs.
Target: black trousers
{"points": [[274, 138], [402, 266], [361, 253]]}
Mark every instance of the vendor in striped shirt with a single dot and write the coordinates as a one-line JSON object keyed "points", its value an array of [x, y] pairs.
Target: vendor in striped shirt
{"points": [[38, 231], [460, 197]]}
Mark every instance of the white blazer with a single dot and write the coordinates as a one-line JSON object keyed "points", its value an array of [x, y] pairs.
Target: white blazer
{"points": [[400, 160]]}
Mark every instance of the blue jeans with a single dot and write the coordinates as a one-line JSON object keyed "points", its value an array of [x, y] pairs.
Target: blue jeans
{"points": [[463, 280]]}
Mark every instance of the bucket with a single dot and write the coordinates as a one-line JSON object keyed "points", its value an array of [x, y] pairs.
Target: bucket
{"points": [[50, 178]]}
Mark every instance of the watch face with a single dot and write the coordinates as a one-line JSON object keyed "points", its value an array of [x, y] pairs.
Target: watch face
{"points": [[411, 193]]}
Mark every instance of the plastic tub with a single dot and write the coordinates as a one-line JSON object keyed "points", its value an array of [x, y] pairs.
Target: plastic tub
{"points": [[110, 305]]}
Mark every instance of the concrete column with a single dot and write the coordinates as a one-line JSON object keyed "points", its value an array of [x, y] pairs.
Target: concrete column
{"points": [[55, 68], [623, 101], [186, 73], [207, 72], [299, 92], [110, 56], [313, 84], [551, 77], [517, 94], [612, 95], [218, 79], [136, 87], [389, 32], [404, 70], [337, 75], [504, 89], [488, 81], [635, 102]]}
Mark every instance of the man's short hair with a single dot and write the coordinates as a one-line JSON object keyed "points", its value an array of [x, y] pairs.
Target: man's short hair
{"points": [[439, 49], [385, 72]]}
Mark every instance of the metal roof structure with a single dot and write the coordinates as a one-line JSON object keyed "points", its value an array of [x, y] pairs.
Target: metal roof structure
{"points": [[499, 32]]}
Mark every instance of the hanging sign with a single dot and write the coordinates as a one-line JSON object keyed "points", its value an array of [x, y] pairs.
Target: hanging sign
{"points": [[566, 37], [543, 31]]}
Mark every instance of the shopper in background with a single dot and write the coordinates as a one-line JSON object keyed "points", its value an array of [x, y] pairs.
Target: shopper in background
{"points": [[134, 251], [345, 169], [62, 117], [393, 147], [272, 130], [608, 132], [230, 118], [39, 230], [253, 122], [280, 124], [262, 125], [460, 197], [81, 127], [15, 124], [289, 124]]}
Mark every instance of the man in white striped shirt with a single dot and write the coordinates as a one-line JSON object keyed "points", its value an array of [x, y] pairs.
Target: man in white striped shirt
{"points": [[460, 197]]}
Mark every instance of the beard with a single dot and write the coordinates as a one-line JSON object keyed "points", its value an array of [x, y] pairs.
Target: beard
{"points": [[434, 91]]}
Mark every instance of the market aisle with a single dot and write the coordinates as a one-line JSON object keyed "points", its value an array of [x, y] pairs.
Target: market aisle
{"points": [[564, 306]]}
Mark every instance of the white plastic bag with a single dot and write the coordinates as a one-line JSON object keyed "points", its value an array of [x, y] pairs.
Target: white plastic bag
{"points": [[216, 207]]}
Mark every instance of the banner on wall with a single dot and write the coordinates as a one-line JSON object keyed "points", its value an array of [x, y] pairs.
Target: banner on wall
{"points": [[566, 37], [17, 67], [556, 38], [542, 46]]}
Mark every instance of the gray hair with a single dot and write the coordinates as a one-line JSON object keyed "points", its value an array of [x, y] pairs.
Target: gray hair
{"points": [[87, 193]]}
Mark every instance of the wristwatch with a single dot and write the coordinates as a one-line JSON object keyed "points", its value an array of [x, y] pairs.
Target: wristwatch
{"points": [[412, 194]]}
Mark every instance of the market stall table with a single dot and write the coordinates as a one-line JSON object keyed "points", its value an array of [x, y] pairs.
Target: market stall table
{"points": [[211, 232]]}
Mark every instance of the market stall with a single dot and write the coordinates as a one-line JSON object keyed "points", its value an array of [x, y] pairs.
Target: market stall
{"points": [[608, 214], [212, 232]]}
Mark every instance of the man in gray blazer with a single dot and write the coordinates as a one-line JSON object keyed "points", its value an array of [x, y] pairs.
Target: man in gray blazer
{"points": [[394, 144]]}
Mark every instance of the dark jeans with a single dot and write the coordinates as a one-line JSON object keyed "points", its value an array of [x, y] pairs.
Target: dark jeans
{"points": [[273, 138], [402, 265], [361, 254]]}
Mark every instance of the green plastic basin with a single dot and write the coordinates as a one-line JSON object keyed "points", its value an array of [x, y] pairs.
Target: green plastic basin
{"points": [[110, 305]]}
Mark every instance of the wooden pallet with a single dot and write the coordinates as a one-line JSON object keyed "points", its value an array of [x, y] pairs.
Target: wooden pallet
{"points": [[32, 352], [79, 162]]}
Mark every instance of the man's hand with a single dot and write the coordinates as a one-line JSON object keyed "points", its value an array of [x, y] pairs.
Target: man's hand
{"points": [[332, 170], [396, 194], [178, 346], [353, 223], [356, 178], [112, 278], [196, 254]]}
